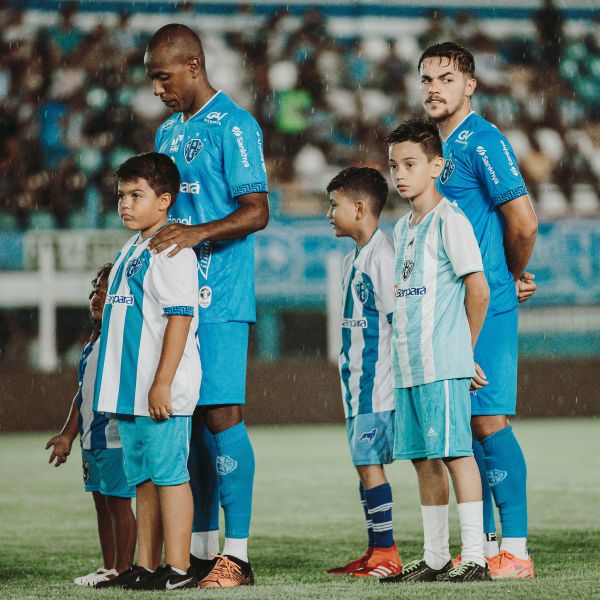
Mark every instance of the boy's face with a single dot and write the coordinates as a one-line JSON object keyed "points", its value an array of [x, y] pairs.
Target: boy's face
{"points": [[139, 206], [97, 298], [444, 89], [342, 213], [411, 171]]}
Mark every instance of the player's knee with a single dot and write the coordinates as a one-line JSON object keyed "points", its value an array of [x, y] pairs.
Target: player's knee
{"points": [[118, 505], [371, 475], [483, 426], [220, 418]]}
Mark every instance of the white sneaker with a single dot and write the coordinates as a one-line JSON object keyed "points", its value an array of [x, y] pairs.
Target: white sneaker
{"points": [[98, 577], [83, 580]]}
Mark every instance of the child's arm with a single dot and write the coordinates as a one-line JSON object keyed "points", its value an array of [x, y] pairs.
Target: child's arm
{"points": [[63, 442], [174, 340], [477, 297]]}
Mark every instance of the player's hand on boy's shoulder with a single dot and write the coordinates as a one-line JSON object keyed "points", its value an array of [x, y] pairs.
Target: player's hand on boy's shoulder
{"points": [[159, 401], [525, 286], [61, 448], [183, 236], [479, 380]]}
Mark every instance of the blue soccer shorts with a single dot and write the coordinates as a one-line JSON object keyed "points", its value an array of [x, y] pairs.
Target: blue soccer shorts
{"points": [[223, 354], [433, 420], [155, 450], [496, 352], [103, 472], [371, 438]]}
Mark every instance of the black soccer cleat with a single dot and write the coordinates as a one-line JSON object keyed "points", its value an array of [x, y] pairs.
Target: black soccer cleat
{"points": [[466, 572], [201, 567], [133, 574], [166, 578], [417, 571]]}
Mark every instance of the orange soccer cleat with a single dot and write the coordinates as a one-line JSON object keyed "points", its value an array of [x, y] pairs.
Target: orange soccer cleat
{"points": [[507, 566], [352, 566], [228, 572], [383, 562]]}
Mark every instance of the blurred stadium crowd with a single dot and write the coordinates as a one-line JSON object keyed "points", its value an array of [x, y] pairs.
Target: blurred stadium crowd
{"points": [[75, 101]]}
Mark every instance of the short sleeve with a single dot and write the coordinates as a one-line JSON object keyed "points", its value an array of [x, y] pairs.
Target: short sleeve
{"points": [[243, 158], [460, 244], [174, 282], [383, 281], [495, 165]]}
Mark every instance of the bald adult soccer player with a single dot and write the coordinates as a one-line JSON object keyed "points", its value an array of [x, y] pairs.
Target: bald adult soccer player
{"points": [[482, 176], [222, 200]]}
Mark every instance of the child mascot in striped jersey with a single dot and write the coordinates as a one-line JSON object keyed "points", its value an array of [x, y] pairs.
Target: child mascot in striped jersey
{"points": [[149, 373], [101, 454], [441, 298], [357, 197]]}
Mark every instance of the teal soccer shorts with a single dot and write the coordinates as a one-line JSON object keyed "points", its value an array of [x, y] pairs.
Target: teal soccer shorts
{"points": [[103, 472], [433, 420], [371, 438], [155, 450]]}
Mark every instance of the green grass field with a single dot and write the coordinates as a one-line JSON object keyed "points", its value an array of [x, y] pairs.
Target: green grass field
{"points": [[307, 517]]}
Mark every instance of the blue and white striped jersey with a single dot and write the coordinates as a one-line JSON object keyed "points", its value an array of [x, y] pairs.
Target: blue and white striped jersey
{"points": [[95, 429], [431, 335], [219, 154], [368, 300], [144, 289]]}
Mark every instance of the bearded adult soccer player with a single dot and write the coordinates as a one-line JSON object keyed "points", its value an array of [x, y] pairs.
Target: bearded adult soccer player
{"points": [[217, 147], [482, 176]]}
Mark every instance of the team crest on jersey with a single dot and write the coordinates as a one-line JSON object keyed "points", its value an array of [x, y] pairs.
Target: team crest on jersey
{"points": [[226, 465], [135, 264], [368, 436], [407, 268], [495, 476], [362, 291], [205, 296], [447, 172], [191, 149], [86, 469]]}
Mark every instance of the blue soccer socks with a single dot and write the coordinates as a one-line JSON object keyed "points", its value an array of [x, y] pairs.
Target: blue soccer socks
{"points": [[379, 506], [363, 500], [489, 522], [203, 479], [507, 478], [235, 467]]}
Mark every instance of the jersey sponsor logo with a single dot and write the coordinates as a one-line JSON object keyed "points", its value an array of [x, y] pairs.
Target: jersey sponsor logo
{"points": [[226, 465], [362, 291], [368, 436], [355, 323], [134, 265], [407, 267], [175, 143], [486, 161], [116, 299], [183, 220], [191, 149], [214, 118], [260, 151], [411, 291], [447, 172], [239, 138], [463, 136], [85, 463], [511, 162], [204, 296], [204, 254], [167, 124], [496, 476], [189, 187]]}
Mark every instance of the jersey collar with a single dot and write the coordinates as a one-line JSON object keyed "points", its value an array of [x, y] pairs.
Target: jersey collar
{"points": [[218, 92], [459, 125]]}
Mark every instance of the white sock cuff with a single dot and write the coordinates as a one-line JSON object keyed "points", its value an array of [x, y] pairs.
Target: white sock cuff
{"points": [[237, 547], [205, 543]]}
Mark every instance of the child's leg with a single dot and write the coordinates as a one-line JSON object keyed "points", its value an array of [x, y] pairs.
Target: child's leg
{"points": [[378, 498], [467, 487], [105, 530], [149, 526], [369, 522], [177, 510], [124, 531], [433, 491]]}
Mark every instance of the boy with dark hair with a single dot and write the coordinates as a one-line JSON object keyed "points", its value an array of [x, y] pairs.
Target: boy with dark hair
{"points": [[357, 197], [149, 373], [482, 176], [101, 455], [441, 300]]}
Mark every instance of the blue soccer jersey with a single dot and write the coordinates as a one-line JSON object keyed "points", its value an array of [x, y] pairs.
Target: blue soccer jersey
{"points": [[96, 431], [431, 339], [480, 175], [219, 154], [365, 363]]}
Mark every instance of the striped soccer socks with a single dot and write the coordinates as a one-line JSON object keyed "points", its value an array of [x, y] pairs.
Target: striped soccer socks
{"points": [[379, 507], [363, 501]]}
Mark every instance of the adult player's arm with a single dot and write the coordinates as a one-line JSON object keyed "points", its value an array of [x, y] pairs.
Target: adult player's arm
{"points": [[173, 345], [63, 442]]}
